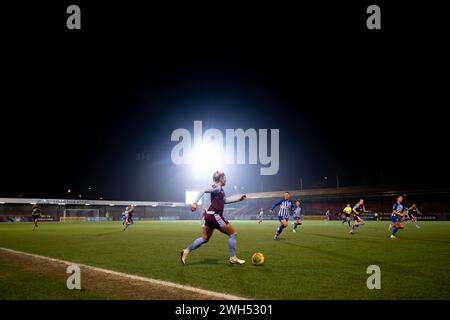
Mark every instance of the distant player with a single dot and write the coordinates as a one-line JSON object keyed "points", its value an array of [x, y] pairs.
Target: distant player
{"points": [[411, 215], [347, 213], [327, 215], [397, 217], [35, 215], [298, 216], [357, 210], [260, 215], [214, 218], [128, 217], [286, 207]]}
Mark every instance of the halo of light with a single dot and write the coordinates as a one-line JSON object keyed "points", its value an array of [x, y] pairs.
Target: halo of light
{"points": [[205, 158]]}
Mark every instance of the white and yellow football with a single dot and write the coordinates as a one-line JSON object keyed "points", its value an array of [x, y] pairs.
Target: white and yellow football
{"points": [[258, 259]]}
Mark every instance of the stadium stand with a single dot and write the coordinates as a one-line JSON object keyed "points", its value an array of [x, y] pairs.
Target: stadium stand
{"points": [[434, 204]]}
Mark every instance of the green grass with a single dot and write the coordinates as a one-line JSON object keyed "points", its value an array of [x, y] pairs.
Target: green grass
{"points": [[321, 261], [18, 284]]}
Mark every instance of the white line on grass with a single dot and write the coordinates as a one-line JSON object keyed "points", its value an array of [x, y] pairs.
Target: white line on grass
{"points": [[219, 295]]}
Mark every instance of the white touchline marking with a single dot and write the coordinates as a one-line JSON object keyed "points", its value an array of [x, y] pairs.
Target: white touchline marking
{"points": [[219, 295]]}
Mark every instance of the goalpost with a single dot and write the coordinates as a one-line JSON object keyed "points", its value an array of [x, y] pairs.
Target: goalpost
{"points": [[80, 215]]}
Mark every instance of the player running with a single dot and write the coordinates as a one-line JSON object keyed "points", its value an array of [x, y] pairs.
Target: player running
{"points": [[396, 217], [411, 215], [128, 217], [286, 207], [214, 218], [260, 215], [346, 216], [35, 215], [327, 216], [358, 209], [298, 216]]}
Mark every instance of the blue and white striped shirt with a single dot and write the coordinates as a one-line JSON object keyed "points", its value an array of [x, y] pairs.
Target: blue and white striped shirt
{"points": [[397, 209], [285, 208]]}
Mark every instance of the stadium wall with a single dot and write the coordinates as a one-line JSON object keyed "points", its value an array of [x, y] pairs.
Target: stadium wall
{"points": [[92, 210], [434, 204]]}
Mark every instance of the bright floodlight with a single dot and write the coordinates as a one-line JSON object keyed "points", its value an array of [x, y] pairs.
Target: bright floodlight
{"points": [[205, 158]]}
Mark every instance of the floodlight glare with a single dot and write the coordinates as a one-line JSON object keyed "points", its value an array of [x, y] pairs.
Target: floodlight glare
{"points": [[205, 158]]}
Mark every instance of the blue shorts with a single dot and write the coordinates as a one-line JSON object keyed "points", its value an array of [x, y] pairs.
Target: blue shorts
{"points": [[283, 218], [396, 218]]}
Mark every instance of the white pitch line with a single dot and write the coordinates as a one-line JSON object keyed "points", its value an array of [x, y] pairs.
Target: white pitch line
{"points": [[219, 295]]}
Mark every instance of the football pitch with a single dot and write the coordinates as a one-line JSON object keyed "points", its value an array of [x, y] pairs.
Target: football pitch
{"points": [[320, 261]]}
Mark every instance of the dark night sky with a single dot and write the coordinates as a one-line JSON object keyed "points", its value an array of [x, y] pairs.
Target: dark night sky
{"points": [[78, 108]]}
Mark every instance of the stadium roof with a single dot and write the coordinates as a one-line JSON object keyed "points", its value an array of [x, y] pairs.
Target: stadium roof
{"points": [[351, 192], [90, 202], [361, 191]]}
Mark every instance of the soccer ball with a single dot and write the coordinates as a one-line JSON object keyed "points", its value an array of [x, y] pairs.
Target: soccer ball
{"points": [[258, 259]]}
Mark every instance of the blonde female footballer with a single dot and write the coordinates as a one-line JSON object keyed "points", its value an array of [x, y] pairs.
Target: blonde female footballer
{"points": [[214, 218]]}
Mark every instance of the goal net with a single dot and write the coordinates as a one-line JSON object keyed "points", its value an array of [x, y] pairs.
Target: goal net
{"points": [[80, 215]]}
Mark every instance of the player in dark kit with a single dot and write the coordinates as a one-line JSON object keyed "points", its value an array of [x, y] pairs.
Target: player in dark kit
{"points": [[358, 209], [411, 215], [213, 218], [35, 215]]}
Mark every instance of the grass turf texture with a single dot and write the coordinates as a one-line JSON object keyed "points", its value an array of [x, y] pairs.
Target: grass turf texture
{"points": [[18, 283], [320, 261]]}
